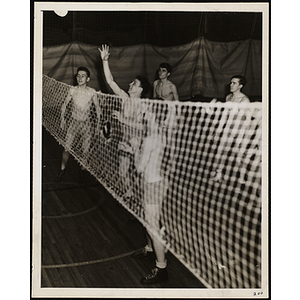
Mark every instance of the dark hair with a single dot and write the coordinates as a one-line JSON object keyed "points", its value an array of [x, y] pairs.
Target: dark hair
{"points": [[241, 78], [144, 84], [166, 66], [84, 69]]}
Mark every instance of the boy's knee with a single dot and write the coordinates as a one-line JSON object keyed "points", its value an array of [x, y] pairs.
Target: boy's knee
{"points": [[152, 215]]}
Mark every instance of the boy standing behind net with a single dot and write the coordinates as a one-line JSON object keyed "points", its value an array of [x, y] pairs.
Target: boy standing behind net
{"points": [[233, 127], [163, 88], [149, 164], [148, 161], [82, 98]]}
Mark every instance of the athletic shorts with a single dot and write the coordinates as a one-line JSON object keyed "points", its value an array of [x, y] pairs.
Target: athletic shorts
{"points": [[81, 128], [154, 194]]}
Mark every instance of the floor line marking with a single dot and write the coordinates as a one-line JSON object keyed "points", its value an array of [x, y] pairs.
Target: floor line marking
{"points": [[70, 215], [84, 263], [57, 200], [66, 187]]}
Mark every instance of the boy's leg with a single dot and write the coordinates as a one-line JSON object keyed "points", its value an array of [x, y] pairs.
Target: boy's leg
{"points": [[147, 251], [154, 194], [64, 161], [65, 155], [152, 213], [159, 273], [86, 136], [85, 133]]}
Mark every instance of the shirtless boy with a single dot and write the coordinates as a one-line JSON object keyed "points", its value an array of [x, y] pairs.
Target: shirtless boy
{"points": [[163, 88], [148, 161], [233, 124], [237, 82], [130, 115], [82, 97]]}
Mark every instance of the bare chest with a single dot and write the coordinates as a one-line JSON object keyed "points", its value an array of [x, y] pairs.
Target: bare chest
{"points": [[164, 91]]}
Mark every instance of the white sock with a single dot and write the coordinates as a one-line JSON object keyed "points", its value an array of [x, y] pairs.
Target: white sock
{"points": [[161, 265]]}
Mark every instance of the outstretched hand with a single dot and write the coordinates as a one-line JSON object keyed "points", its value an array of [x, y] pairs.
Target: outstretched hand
{"points": [[104, 52], [210, 110]]}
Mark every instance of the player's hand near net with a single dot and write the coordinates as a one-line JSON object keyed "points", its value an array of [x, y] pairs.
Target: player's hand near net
{"points": [[125, 147], [210, 110]]}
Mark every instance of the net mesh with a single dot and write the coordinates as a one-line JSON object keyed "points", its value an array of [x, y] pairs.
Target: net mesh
{"points": [[190, 172]]}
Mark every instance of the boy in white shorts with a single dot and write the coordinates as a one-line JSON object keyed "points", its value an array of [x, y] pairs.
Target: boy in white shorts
{"points": [[148, 162]]}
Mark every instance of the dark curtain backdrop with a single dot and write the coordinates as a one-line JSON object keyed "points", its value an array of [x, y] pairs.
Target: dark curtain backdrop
{"points": [[201, 67]]}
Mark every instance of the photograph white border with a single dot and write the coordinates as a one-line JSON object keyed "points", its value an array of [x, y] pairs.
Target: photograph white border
{"points": [[37, 291]]}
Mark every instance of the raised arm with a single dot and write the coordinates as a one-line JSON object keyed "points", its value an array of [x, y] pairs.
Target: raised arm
{"points": [[104, 53]]}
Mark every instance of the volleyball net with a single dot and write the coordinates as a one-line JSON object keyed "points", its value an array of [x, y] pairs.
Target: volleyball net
{"points": [[189, 172]]}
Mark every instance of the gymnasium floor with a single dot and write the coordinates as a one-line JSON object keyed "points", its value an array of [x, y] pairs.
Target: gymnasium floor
{"points": [[88, 237]]}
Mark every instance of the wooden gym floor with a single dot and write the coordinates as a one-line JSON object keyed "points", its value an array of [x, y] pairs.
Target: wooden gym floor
{"points": [[88, 237]]}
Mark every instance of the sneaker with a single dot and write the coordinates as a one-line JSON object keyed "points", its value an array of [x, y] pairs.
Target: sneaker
{"points": [[60, 175], [156, 275], [143, 253]]}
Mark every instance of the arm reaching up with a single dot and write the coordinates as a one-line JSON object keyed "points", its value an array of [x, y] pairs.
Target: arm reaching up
{"points": [[104, 53]]}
